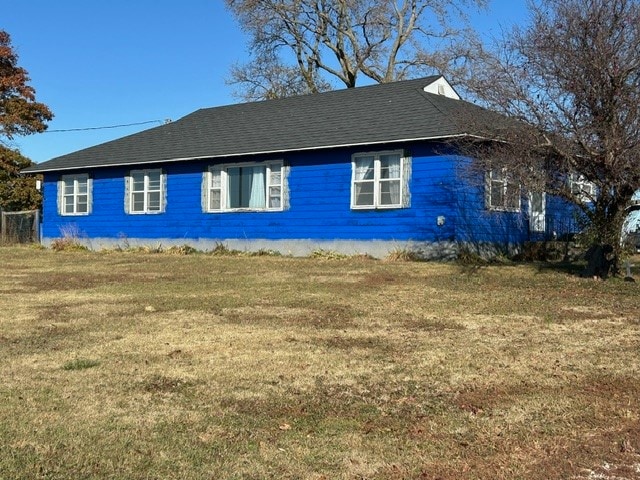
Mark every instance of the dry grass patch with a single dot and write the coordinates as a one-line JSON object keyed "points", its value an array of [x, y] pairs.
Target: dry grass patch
{"points": [[266, 367]]}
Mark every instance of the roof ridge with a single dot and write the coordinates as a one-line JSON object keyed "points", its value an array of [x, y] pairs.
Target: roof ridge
{"points": [[338, 91]]}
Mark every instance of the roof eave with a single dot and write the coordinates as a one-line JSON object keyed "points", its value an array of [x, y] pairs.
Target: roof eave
{"points": [[35, 169]]}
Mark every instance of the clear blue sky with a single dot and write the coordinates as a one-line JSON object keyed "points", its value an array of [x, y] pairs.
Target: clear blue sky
{"points": [[100, 63]]}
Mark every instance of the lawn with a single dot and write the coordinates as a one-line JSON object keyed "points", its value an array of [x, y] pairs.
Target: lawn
{"points": [[125, 365]]}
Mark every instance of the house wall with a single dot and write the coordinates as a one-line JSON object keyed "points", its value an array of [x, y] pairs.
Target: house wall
{"points": [[478, 225], [562, 218], [442, 210], [481, 226]]}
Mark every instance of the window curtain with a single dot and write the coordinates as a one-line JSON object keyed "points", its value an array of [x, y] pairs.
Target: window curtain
{"points": [[364, 168], [363, 184], [246, 187], [394, 186], [257, 187]]}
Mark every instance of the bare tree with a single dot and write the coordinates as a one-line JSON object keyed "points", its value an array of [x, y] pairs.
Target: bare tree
{"points": [[572, 78], [316, 42], [270, 78]]}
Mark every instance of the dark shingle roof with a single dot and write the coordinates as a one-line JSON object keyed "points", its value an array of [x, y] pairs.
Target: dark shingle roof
{"points": [[375, 114]]}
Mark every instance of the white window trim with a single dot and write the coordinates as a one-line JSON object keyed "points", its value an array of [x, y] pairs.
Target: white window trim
{"points": [[404, 188], [581, 188], [146, 191], [76, 178], [489, 181], [224, 186]]}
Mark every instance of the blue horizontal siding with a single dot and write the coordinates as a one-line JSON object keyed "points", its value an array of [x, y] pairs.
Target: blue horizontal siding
{"points": [[319, 205]]}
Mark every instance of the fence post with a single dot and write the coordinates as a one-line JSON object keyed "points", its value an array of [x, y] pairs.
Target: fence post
{"points": [[3, 226], [36, 226]]}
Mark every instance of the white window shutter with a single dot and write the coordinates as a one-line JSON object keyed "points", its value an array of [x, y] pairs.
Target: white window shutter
{"points": [[127, 193], [204, 191], [487, 189], [60, 204], [163, 188], [406, 177], [284, 191], [89, 195]]}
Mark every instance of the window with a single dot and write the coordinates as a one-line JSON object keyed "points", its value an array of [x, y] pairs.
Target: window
{"points": [[378, 180], [502, 192], [75, 195], [146, 190], [537, 212], [255, 187], [581, 188]]}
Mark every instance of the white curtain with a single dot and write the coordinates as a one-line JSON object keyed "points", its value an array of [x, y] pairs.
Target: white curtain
{"points": [[394, 186], [394, 167], [363, 184], [364, 168], [258, 194]]}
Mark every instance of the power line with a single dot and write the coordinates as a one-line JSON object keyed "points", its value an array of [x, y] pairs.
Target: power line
{"points": [[105, 127]]}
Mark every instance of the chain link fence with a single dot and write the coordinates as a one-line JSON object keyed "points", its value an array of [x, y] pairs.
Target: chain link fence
{"points": [[20, 227]]}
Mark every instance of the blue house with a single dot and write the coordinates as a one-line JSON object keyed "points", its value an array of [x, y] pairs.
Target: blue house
{"points": [[364, 170]]}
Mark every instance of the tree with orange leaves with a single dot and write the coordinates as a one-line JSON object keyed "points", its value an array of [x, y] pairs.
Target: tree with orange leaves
{"points": [[20, 114]]}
